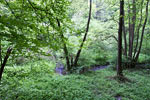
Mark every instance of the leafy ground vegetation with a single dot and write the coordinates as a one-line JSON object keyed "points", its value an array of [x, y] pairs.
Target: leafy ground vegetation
{"points": [[38, 81]]}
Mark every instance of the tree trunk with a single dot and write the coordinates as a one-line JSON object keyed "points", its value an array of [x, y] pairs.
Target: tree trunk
{"points": [[84, 39], [71, 60], [5, 61], [138, 30], [143, 29], [65, 49], [0, 54], [129, 14], [133, 24], [119, 66], [125, 38], [132, 28]]}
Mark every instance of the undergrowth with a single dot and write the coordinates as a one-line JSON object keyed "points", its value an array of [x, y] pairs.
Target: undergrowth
{"points": [[38, 81]]}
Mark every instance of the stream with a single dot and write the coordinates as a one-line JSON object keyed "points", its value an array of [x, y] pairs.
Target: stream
{"points": [[61, 70]]}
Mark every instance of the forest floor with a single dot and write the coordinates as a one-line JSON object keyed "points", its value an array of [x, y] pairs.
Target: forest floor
{"points": [[38, 81]]}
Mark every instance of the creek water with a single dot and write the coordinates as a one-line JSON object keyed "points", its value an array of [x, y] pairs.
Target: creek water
{"points": [[61, 70]]}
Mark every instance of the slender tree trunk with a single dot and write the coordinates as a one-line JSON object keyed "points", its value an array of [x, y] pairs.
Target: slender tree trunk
{"points": [[5, 61], [142, 35], [84, 39], [138, 29], [0, 54], [65, 49], [66, 55], [119, 66], [125, 38], [132, 27], [71, 60], [129, 12]]}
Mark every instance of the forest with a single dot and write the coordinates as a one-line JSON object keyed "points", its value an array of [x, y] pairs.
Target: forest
{"points": [[74, 50]]}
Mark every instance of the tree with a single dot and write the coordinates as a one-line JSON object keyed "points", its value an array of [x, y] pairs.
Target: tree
{"points": [[64, 48], [119, 66], [85, 36], [136, 26], [24, 24], [69, 59], [143, 30], [3, 63]]}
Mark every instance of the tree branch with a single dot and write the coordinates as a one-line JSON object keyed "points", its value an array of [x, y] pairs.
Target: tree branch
{"points": [[0, 53], [5, 61], [111, 36]]}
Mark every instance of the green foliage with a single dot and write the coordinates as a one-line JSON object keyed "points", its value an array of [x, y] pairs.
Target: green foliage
{"points": [[90, 58], [144, 58], [38, 81], [32, 25]]}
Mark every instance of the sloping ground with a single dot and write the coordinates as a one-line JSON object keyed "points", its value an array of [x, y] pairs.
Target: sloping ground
{"points": [[41, 83]]}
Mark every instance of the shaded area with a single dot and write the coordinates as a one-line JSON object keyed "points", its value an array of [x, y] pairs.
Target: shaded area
{"points": [[142, 66], [118, 97], [98, 68], [61, 70]]}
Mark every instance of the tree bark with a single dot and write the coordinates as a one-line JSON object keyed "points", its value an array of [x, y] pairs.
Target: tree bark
{"points": [[71, 60], [65, 49], [132, 28], [5, 61], [142, 35], [133, 24], [119, 66], [129, 12], [138, 30], [125, 38], [0, 54], [84, 39]]}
